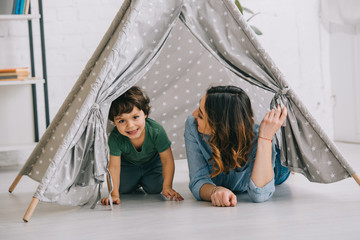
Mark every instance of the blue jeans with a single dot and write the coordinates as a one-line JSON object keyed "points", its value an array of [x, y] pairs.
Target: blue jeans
{"points": [[281, 173], [148, 176]]}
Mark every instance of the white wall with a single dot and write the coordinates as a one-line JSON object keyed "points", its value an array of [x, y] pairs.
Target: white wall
{"points": [[292, 36], [296, 41], [73, 30], [342, 21]]}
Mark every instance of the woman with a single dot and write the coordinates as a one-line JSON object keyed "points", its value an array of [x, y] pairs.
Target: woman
{"points": [[228, 153]]}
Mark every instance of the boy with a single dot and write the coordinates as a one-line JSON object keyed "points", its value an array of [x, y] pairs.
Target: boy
{"points": [[139, 149]]}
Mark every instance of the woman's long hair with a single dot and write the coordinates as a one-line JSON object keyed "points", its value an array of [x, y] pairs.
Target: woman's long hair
{"points": [[230, 118]]}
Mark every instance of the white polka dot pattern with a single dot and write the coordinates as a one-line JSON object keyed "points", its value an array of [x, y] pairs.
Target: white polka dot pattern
{"points": [[172, 103]]}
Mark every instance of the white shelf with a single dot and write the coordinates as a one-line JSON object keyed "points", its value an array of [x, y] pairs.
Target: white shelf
{"points": [[19, 17], [21, 82], [13, 152]]}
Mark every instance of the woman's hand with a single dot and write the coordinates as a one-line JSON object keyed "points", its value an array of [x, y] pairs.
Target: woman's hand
{"points": [[115, 200], [168, 192], [223, 197], [272, 122]]}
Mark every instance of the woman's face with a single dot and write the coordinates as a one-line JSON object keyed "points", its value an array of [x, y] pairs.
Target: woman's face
{"points": [[201, 117]]}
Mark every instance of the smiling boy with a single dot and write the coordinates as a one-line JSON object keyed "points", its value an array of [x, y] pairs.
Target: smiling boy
{"points": [[140, 152]]}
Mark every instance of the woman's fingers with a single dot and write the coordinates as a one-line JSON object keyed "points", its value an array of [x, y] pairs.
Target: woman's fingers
{"points": [[233, 200], [223, 199], [277, 112], [226, 201], [272, 114], [283, 114], [272, 122], [280, 115], [214, 200]]}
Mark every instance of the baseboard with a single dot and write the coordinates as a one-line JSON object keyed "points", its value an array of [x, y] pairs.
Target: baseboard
{"points": [[13, 156]]}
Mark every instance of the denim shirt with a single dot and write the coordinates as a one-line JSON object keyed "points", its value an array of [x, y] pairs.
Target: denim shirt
{"points": [[198, 153]]}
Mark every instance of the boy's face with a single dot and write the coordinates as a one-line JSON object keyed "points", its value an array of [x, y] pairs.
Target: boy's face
{"points": [[132, 124]]}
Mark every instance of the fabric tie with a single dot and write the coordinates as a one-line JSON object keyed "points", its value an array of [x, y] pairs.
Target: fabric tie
{"points": [[283, 91], [95, 106], [277, 99]]}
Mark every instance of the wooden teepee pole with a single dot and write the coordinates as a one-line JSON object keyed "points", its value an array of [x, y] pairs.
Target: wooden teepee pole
{"points": [[356, 178], [15, 182], [30, 209]]}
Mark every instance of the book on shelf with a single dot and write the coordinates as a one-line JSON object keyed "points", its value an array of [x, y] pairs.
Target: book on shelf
{"points": [[14, 70], [14, 6], [26, 7], [6, 6], [9, 74]]}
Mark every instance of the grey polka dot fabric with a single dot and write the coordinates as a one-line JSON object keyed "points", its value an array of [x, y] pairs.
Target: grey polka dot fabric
{"points": [[174, 50], [179, 78]]}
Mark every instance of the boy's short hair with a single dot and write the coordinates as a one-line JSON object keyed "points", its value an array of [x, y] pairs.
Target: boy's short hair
{"points": [[125, 103]]}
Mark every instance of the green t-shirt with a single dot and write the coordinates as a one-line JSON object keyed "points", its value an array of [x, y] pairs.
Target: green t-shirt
{"points": [[156, 141]]}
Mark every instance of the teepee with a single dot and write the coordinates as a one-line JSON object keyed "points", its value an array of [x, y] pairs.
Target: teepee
{"points": [[173, 49]]}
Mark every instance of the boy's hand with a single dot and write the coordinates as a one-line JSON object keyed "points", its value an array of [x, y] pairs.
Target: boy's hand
{"points": [[168, 192], [115, 200]]}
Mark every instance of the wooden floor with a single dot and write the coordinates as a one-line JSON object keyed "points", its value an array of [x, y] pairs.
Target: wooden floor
{"points": [[298, 210]]}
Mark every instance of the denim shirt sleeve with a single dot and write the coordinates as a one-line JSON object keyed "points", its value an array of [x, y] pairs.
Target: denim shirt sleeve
{"points": [[264, 193], [261, 194], [199, 170]]}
